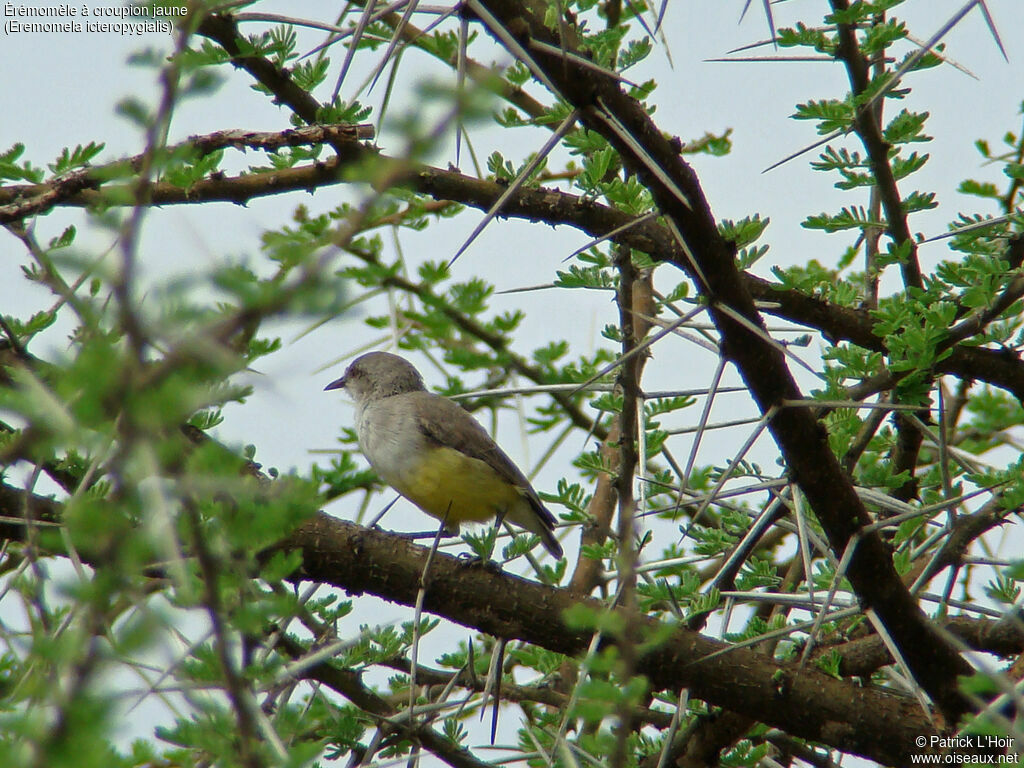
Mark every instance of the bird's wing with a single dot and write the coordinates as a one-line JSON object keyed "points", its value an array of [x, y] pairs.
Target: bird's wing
{"points": [[446, 423]]}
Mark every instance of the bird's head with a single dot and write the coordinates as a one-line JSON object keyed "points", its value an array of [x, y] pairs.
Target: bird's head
{"points": [[376, 375]]}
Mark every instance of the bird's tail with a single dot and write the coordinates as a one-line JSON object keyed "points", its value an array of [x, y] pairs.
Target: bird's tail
{"points": [[536, 518], [547, 538]]}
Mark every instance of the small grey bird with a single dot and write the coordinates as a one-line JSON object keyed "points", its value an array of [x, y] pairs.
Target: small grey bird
{"points": [[435, 453]]}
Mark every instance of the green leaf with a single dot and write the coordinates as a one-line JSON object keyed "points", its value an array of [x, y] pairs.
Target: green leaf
{"points": [[831, 115], [906, 127], [77, 158], [10, 169]]}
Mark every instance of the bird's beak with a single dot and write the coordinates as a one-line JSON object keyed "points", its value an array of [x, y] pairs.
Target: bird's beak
{"points": [[336, 384]]}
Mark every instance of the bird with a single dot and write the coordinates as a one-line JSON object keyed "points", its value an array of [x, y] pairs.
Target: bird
{"points": [[435, 454]]}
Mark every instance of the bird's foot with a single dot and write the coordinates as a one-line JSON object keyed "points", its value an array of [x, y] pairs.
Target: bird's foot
{"points": [[476, 561]]}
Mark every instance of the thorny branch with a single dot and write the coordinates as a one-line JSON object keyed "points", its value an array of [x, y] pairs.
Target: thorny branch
{"points": [[802, 441]]}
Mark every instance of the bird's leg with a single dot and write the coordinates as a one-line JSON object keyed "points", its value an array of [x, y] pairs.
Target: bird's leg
{"points": [[477, 561], [499, 520]]}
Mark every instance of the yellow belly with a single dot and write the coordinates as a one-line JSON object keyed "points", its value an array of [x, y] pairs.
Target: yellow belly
{"points": [[452, 486]]}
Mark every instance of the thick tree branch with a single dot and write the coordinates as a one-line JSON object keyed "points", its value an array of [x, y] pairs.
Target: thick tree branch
{"points": [[1001, 368], [362, 560], [866, 655], [803, 702], [625, 124]]}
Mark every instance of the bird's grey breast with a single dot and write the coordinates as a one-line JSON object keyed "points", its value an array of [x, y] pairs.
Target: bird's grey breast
{"points": [[388, 435]]}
